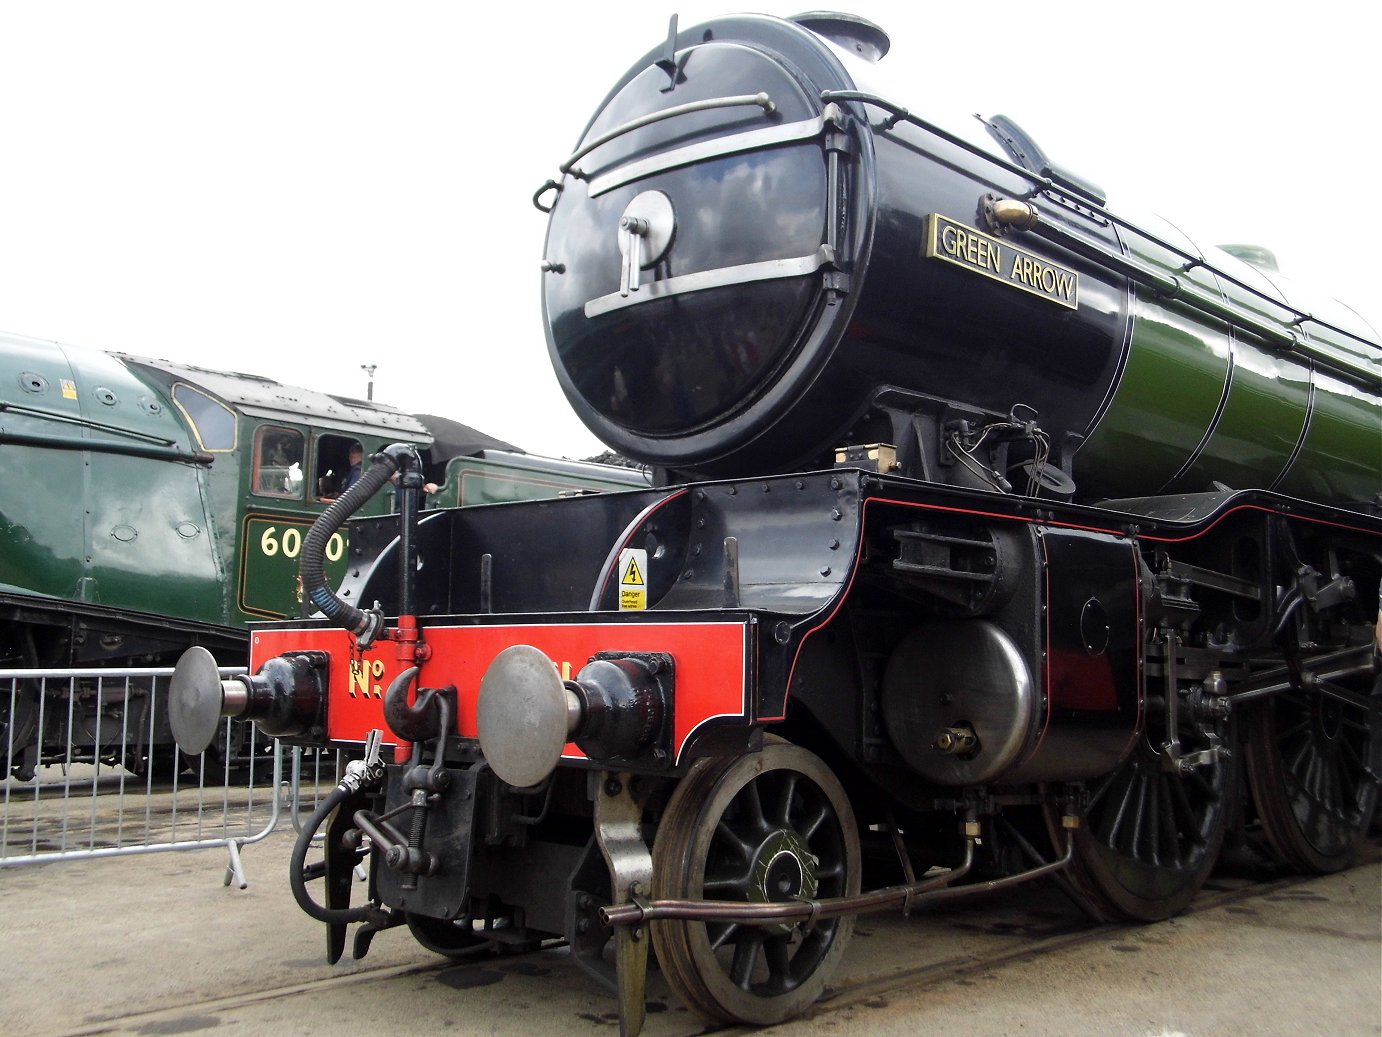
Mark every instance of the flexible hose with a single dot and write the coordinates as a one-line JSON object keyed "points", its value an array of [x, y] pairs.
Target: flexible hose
{"points": [[312, 569], [329, 915]]}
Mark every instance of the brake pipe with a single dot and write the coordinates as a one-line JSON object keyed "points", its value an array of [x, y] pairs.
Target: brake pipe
{"points": [[933, 890]]}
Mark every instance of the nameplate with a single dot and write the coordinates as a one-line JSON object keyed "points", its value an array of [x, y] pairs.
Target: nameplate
{"points": [[1000, 261]]}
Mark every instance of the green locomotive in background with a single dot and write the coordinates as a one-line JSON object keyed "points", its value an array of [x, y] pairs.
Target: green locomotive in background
{"points": [[148, 506]]}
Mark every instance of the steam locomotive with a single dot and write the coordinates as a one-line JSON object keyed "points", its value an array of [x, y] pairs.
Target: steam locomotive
{"points": [[228, 472], [996, 537]]}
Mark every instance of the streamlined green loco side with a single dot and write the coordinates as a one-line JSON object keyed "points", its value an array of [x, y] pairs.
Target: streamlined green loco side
{"points": [[104, 497], [159, 502]]}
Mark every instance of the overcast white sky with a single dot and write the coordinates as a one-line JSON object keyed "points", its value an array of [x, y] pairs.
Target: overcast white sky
{"points": [[300, 188]]}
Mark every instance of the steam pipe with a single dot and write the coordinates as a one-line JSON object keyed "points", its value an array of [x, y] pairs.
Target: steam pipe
{"points": [[409, 495]]}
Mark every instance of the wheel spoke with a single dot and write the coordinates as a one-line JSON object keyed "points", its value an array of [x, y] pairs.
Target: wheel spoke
{"points": [[1310, 778], [1341, 791], [1139, 818], [1351, 756], [1103, 787], [751, 803], [1154, 828], [1115, 825], [784, 807], [1204, 785], [1187, 821], [1301, 726], [723, 933], [1166, 811], [745, 958], [778, 957], [1298, 758], [727, 837], [809, 828], [738, 884], [832, 871], [1356, 723]]}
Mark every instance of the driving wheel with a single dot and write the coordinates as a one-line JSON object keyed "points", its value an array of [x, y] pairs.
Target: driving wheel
{"points": [[1152, 831], [1313, 764]]}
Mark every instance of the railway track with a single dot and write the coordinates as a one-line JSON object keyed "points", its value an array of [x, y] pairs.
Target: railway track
{"points": [[937, 971]]}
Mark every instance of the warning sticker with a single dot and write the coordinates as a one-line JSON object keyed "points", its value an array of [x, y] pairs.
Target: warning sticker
{"points": [[633, 583]]}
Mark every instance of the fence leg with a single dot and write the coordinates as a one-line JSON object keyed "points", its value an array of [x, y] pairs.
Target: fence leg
{"points": [[235, 870]]}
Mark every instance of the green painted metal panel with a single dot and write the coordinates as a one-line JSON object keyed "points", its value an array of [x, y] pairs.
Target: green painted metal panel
{"points": [[42, 546], [151, 547], [481, 480], [267, 584], [1260, 427], [1342, 455], [1165, 402]]}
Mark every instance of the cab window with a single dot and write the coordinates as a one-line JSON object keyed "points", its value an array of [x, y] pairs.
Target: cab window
{"points": [[278, 454], [212, 421], [335, 456]]}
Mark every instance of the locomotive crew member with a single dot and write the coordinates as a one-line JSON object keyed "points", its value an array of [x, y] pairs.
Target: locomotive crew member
{"points": [[357, 459]]}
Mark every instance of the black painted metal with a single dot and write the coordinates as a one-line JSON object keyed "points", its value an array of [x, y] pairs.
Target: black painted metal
{"points": [[761, 374], [449, 839], [626, 699], [287, 697]]}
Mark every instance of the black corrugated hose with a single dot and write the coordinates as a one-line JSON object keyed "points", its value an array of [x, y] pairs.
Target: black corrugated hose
{"points": [[364, 625]]}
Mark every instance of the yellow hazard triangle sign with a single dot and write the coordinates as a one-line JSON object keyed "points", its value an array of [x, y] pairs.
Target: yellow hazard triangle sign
{"points": [[633, 586]]}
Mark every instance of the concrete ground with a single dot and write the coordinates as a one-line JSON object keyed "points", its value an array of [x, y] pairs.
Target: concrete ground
{"points": [[156, 944]]}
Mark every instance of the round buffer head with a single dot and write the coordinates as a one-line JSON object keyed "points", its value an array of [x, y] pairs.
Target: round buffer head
{"points": [[526, 715], [194, 700]]}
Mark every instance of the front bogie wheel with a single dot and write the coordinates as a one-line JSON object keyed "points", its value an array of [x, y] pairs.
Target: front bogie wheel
{"points": [[768, 826]]}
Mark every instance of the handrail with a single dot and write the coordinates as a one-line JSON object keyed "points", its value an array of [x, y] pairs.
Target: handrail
{"points": [[84, 422], [105, 446], [898, 114], [709, 104], [1169, 286]]}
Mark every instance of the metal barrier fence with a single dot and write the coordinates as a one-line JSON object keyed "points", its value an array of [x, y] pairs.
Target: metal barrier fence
{"points": [[90, 770]]}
